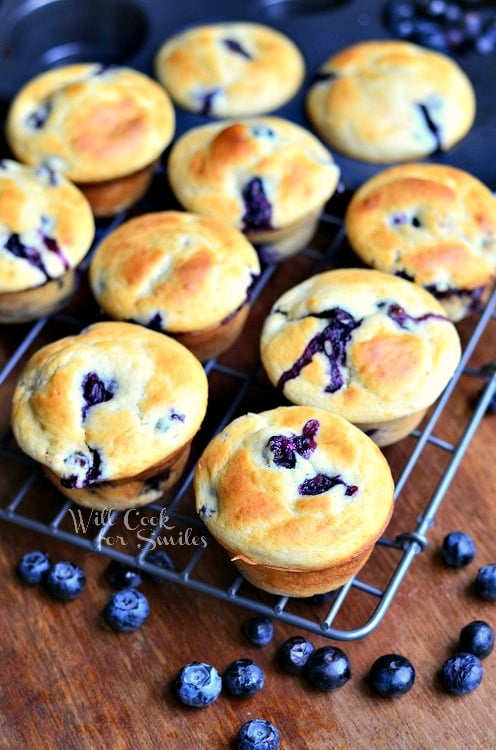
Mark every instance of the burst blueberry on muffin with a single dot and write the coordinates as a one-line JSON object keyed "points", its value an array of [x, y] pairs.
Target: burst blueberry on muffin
{"points": [[110, 413], [389, 101], [230, 69], [432, 224], [189, 276], [103, 127], [46, 229], [371, 347], [265, 176], [297, 496]]}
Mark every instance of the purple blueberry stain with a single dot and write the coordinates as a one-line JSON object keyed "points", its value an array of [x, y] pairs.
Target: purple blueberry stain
{"points": [[95, 391], [15, 246], [206, 101], [86, 469], [156, 323], [258, 209], [48, 175], [475, 296], [249, 296], [37, 119], [321, 483], [205, 512], [399, 315], [431, 126], [332, 342], [163, 423], [234, 46], [284, 448]]}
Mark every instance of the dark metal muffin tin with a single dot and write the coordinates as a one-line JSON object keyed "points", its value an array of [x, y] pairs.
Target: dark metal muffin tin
{"points": [[38, 34]]}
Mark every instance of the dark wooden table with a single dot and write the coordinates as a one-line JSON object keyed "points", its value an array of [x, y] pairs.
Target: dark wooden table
{"points": [[70, 683]]}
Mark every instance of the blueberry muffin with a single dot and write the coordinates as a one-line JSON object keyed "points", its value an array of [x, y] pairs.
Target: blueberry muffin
{"points": [[266, 176], [103, 127], [390, 101], [187, 275], [297, 496], [46, 229], [230, 69], [371, 347], [110, 413], [432, 224]]}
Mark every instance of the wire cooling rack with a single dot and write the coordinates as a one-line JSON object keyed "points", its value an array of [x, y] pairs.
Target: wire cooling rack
{"points": [[199, 564]]}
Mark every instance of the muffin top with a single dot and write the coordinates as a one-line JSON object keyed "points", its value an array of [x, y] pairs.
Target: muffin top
{"points": [[108, 403], [387, 101], [173, 271], [363, 344], [230, 69], [46, 226], [256, 174], [431, 223], [90, 121], [293, 487]]}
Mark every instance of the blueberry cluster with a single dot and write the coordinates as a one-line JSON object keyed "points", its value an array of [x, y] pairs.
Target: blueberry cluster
{"points": [[324, 669], [63, 580], [444, 25]]}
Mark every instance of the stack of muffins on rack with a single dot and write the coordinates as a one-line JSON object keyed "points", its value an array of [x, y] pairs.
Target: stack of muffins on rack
{"points": [[297, 495]]}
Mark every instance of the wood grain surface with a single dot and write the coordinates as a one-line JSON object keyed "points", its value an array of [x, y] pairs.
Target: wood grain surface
{"points": [[70, 683]]}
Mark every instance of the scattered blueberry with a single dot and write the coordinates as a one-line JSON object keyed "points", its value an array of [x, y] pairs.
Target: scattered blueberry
{"points": [[161, 559], [126, 610], [458, 549], [197, 684], [259, 630], [327, 668], [243, 677], [121, 576], [258, 734], [485, 582], [33, 566], [477, 638], [65, 580], [461, 673], [293, 654], [392, 675]]}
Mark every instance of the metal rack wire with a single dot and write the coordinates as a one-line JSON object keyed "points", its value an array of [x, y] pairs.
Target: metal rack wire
{"points": [[202, 566]]}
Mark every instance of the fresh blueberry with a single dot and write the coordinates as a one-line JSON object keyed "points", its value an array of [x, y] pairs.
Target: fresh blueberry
{"points": [[461, 673], [65, 580], [258, 734], [485, 582], [33, 566], [126, 610], [243, 677], [197, 684], [121, 576], [392, 675], [259, 630], [477, 638], [293, 654], [327, 668], [161, 559], [458, 549]]}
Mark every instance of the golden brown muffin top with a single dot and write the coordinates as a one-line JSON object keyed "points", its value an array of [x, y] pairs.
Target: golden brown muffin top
{"points": [[46, 226], [387, 101], [364, 344], [434, 224], [91, 122], [293, 487], [173, 270], [230, 69], [108, 403], [255, 174]]}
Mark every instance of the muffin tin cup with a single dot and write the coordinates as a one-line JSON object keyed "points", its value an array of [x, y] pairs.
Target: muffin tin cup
{"points": [[132, 492], [215, 340], [31, 304]]}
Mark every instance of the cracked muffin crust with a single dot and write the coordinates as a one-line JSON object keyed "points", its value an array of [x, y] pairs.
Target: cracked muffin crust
{"points": [[390, 101], [371, 347], [103, 127], [230, 69], [432, 224], [265, 176], [160, 270], [46, 229], [111, 405], [297, 496]]}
